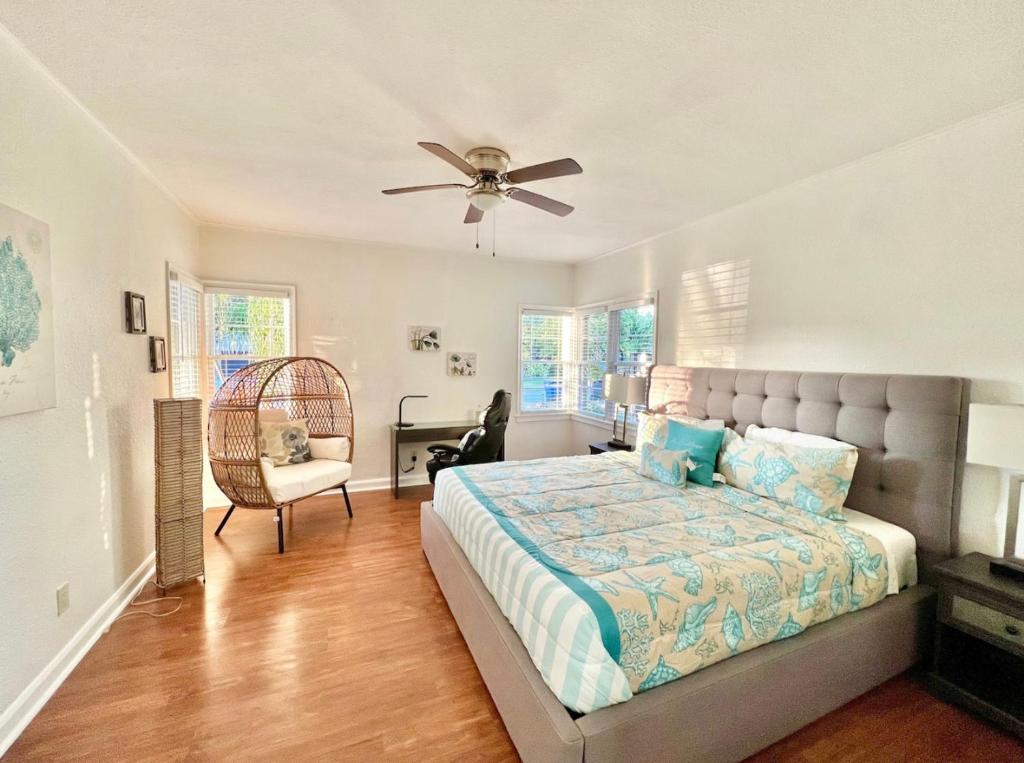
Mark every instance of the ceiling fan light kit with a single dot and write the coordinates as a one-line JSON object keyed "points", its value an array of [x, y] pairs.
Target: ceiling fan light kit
{"points": [[493, 182]]}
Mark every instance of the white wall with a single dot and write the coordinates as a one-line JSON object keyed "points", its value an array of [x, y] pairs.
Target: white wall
{"points": [[76, 485], [908, 261], [354, 303]]}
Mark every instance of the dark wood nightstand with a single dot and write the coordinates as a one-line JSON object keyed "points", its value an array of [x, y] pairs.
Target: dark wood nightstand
{"points": [[603, 447], [979, 641]]}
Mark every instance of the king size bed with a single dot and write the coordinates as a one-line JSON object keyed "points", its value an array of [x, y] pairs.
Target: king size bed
{"points": [[615, 617]]}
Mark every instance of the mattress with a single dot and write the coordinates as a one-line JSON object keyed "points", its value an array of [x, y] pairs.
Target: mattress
{"points": [[899, 544], [616, 583]]}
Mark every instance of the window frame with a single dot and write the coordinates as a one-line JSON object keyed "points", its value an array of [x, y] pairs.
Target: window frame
{"points": [[609, 306], [204, 286], [248, 289], [554, 413], [574, 363]]}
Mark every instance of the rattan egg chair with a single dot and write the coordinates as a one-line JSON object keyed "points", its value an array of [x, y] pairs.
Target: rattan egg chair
{"points": [[280, 388]]}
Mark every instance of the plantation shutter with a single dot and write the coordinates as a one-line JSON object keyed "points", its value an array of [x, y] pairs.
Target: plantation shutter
{"points": [[186, 298]]}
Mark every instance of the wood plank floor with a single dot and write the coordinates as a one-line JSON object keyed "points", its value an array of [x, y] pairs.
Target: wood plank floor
{"points": [[343, 649]]}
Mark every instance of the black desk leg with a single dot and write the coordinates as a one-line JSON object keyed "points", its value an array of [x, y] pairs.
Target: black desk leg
{"points": [[394, 463]]}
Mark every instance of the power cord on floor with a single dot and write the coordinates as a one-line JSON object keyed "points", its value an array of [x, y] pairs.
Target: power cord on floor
{"points": [[136, 603]]}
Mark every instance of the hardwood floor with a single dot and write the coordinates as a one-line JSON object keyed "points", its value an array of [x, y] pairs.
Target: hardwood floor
{"points": [[343, 649]]}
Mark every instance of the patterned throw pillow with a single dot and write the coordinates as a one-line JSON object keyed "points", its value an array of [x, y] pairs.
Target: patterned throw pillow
{"points": [[285, 442], [651, 428], [668, 466], [702, 445], [816, 480]]}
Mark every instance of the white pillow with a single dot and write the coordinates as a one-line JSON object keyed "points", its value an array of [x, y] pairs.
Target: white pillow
{"points": [[786, 437], [690, 421], [331, 448]]}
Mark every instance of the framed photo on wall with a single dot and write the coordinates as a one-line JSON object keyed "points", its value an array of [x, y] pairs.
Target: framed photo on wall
{"points": [[134, 313], [157, 354]]}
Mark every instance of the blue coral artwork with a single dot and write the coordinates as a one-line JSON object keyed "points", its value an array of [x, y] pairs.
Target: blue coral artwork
{"points": [[27, 380]]}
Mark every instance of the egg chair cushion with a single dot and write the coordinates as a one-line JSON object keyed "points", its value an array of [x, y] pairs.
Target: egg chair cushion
{"points": [[294, 481]]}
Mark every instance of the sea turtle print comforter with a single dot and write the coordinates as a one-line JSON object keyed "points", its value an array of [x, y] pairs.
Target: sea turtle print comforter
{"points": [[618, 583]]}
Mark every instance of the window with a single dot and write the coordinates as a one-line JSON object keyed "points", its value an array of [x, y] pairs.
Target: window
{"points": [[244, 325], [612, 338], [545, 338], [564, 354], [185, 304]]}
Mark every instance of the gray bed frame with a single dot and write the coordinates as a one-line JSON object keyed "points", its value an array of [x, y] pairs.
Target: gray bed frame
{"points": [[910, 431]]}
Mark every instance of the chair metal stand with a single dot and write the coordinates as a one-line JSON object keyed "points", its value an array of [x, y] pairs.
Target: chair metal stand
{"points": [[348, 504], [225, 520]]}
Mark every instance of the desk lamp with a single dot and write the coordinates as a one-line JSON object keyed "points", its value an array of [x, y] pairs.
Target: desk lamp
{"points": [[995, 437], [404, 424]]}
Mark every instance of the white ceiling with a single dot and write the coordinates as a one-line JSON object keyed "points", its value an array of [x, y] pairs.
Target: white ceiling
{"points": [[293, 116]]}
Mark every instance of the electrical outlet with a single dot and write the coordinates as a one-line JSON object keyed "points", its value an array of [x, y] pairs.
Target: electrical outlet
{"points": [[414, 457], [63, 598]]}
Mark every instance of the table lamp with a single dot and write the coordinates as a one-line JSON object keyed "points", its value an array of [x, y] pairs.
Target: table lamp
{"points": [[995, 437], [623, 391], [405, 424]]}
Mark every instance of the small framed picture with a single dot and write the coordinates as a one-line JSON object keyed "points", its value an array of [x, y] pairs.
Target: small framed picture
{"points": [[424, 338], [462, 364], [134, 313], [157, 354]]}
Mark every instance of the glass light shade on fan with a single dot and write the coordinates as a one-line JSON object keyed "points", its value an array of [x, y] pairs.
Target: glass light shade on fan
{"points": [[484, 200]]}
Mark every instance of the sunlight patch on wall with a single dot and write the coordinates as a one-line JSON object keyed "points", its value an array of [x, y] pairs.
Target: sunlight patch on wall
{"points": [[713, 314]]}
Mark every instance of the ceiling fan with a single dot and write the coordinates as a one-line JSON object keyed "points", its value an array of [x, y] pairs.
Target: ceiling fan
{"points": [[488, 167]]}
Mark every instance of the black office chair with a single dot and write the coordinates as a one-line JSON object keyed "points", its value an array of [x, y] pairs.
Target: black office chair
{"points": [[482, 445]]}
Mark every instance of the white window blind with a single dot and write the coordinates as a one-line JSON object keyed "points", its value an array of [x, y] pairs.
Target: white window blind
{"points": [[592, 362], [185, 297], [616, 338], [244, 325], [545, 342]]}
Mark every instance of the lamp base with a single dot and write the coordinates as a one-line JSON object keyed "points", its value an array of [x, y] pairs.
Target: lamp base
{"points": [[618, 444], [1009, 567], [403, 424]]}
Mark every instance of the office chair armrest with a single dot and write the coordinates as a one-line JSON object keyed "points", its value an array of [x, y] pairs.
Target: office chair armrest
{"points": [[442, 449]]}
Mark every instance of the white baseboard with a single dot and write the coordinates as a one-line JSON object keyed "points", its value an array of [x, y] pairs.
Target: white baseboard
{"points": [[384, 483], [27, 704]]}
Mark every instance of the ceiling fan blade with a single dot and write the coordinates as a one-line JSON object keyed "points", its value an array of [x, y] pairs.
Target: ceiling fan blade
{"points": [[541, 202], [451, 157], [415, 188], [554, 169], [473, 215]]}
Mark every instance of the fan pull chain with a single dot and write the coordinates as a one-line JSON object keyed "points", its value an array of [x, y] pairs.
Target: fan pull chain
{"points": [[477, 235], [494, 230]]}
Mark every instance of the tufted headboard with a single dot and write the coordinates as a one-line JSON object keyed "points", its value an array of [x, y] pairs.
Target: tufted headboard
{"points": [[910, 431]]}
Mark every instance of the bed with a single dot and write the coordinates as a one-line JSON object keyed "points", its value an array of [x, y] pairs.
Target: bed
{"points": [[909, 431]]}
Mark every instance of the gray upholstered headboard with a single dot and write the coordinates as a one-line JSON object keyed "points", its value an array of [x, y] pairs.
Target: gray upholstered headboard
{"points": [[910, 431]]}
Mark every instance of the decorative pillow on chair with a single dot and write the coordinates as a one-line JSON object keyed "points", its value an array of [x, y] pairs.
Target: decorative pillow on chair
{"points": [[668, 466], [812, 479], [285, 442]]}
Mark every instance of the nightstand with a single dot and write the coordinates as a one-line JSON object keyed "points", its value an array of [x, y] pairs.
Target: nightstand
{"points": [[603, 447], [979, 641]]}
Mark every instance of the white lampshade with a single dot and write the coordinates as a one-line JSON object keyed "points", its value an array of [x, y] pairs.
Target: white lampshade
{"points": [[995, 435], [625, 390]]}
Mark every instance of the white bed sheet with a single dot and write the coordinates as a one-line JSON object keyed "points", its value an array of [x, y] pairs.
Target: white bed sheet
{"points": [[900, 547]]}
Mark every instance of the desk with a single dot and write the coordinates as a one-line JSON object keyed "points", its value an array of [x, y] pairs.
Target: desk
{"points": [[430, 431]]}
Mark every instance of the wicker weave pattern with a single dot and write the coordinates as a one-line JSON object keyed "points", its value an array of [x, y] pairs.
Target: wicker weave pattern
{"points": [[307, 388], [178, 457]]}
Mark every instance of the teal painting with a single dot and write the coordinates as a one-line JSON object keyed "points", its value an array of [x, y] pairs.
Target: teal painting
{"points": [[27, 377]]}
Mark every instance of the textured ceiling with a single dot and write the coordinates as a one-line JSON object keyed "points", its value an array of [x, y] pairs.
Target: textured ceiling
{"points": [[293, 115]]}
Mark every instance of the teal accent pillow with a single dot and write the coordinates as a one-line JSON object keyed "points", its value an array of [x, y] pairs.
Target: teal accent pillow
{"points": [[701, 444], [668, 466]]}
